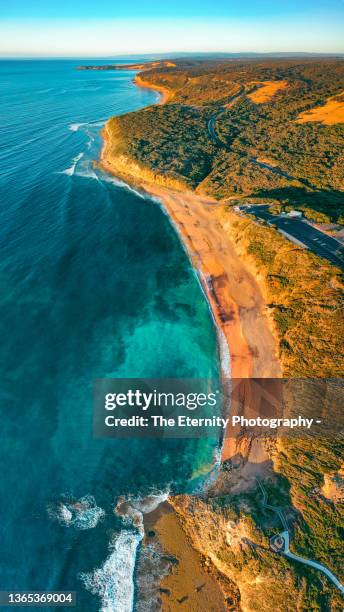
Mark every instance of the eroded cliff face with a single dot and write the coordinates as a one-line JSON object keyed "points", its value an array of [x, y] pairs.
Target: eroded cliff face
{"points": [[116, 160]]}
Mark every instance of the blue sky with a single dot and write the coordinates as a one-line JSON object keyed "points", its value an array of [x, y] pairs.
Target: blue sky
{"points": [[104, 27]]}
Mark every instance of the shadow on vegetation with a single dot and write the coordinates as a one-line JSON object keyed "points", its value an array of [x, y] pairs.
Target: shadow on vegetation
{"points": [[329, 203]]}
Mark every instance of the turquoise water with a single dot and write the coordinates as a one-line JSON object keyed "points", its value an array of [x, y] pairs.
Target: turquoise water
{"points": [[94, 283]]}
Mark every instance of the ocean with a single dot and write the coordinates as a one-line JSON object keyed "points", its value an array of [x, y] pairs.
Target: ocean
{"points": [[94, 283]]}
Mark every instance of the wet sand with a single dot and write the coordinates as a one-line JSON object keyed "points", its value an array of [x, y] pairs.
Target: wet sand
{"points": [[233, 293], [247, 343], [191, 585]]}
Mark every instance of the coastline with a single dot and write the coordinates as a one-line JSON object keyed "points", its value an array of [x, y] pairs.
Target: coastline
{"points": [[193, 580], [166, 94], [246, 339]]}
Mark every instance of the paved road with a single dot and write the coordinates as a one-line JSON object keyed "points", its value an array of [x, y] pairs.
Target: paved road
{"points": [[212, 131], [297, 230], [302, 232], [212, 121], [273, 169]]}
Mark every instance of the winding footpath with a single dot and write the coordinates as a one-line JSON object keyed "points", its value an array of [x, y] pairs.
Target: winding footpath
{"points": [[280, 543], [286, 552]]}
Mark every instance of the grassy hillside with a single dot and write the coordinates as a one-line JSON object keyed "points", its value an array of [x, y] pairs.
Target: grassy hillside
{"points": [[304, 295]]}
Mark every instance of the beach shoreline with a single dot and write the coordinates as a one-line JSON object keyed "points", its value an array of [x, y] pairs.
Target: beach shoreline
{"points": [[192, 580], [164, 92], [246, 337], [247, 344]]}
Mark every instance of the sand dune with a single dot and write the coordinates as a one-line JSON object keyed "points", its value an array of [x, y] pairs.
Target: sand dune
{"points": [[266, 90], [329, 114]]}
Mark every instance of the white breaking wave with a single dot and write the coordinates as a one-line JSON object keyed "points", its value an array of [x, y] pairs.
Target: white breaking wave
{"points": [[214, 473], [80, 514], [114, 581], [225, 354], [150, 502], [152, 567], [225, 359], [119, 183], [99, 123], [205, 285], [87, 173], [132, 509], [70, 171], [75, 127]]}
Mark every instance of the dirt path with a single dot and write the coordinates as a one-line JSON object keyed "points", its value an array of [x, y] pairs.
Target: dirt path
{"points": [[214, 137]]}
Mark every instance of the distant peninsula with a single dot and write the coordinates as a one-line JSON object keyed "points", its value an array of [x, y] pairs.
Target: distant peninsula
{"points": [[143, 66]]}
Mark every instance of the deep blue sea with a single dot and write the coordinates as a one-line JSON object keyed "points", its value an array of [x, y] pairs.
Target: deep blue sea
{"points": [[94, 283]]}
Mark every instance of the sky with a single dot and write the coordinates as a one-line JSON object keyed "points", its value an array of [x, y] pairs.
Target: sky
{"points": [[103, 28]]}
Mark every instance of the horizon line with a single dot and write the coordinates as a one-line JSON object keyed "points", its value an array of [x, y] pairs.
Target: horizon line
{"points": [[176, 54]]}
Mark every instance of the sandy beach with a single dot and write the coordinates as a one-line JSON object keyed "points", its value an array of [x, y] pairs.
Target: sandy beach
{"points": [[246, 337], [166, 94], [247, 343], [192, 583], [234, 295]]}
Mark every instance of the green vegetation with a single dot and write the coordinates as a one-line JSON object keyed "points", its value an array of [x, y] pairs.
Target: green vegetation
{"points": [[178, 130], [309, 152], [304, 295], [318, 206], [235, 531], [259, 149]]}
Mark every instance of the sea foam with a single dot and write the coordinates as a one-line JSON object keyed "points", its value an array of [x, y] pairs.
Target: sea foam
{"points": [[114, 581], [70, 171], [118, 183], [80, 514], [75, 127]]}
